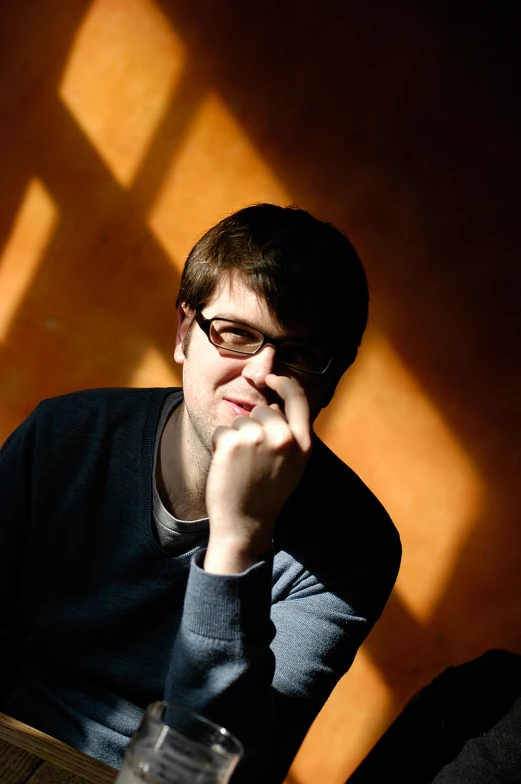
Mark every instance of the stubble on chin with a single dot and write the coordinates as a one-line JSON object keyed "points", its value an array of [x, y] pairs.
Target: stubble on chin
{"points": [[200, 439]]}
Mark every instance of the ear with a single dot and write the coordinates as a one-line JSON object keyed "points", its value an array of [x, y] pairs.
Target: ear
{"points": [[184, 319]]}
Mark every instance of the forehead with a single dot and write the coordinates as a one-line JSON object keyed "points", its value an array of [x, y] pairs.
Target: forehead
{"points": [[236, 300]]}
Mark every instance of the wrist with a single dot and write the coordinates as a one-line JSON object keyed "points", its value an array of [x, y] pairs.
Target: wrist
{"points": [[233, 555]]}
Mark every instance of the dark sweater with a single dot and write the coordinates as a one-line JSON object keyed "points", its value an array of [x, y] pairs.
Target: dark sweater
{"points": [[98, 620]]}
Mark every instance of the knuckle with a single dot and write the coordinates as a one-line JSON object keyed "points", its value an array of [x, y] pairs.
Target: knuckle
{"points": [[226, 441], [282, 439], [237, 439], [253, 436]]}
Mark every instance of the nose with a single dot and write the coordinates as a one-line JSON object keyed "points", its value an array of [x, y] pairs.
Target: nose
{"points": [[258, 366]]}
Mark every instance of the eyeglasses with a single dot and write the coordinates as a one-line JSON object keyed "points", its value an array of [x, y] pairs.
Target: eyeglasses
{"points": [[237, 338]]}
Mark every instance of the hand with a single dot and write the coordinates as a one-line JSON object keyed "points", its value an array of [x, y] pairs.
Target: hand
{"points": [[256, 465]]}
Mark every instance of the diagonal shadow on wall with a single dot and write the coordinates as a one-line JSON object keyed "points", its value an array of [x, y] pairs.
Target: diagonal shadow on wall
{"points": [[402, 128]]}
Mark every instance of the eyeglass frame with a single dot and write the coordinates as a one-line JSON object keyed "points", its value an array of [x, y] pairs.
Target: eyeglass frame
{"points": [[206, 323]]}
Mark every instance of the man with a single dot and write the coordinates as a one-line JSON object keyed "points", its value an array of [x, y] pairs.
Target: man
{"points": [[201, 545]]}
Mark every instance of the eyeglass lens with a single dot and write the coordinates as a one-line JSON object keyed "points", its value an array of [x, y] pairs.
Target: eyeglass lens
{"points": [[242, 339]]}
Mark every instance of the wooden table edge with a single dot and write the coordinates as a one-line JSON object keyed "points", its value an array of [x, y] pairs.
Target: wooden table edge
{"points": [[55, 751]]}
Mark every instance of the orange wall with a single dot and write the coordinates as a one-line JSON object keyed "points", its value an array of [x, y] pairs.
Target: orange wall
{"points": [[130, 126]]}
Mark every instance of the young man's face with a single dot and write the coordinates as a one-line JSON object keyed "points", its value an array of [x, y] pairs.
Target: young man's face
{"points": [[219, 387]]}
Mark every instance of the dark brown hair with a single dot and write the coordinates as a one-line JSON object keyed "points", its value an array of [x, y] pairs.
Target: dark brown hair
{"points": [[305, 269]]}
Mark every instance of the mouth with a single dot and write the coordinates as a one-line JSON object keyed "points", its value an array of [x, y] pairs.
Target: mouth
{"points": [[240, 407]]}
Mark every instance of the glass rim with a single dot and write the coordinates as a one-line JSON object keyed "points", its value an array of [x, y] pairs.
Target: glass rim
{"points": [[157, 710]]}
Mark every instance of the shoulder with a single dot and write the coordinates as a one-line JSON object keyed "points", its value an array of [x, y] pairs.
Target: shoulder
{"points": [[102, 404], [95, 414], [335, 537], [105, 399], [331, 485], [333, 505]]}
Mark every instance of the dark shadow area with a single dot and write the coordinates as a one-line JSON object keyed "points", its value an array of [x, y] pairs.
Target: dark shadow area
{"points": [[466, 719]]}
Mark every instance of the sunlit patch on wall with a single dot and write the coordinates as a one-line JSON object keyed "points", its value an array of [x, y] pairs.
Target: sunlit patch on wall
{"points": [[30, 236], [347, 726], [386, 427], [123, 67], [155, 371], [215, 171]]}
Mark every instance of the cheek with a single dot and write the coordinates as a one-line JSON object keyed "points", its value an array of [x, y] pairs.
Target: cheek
{"points": [[204, 369]]}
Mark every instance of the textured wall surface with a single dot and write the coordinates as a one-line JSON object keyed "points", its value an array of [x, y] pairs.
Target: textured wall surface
{"points": [[128, 127]]}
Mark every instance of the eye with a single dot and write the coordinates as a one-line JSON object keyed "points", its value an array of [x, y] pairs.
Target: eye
{"points": [[303, 356], [296, 352], [237, 335], [232, 334]]}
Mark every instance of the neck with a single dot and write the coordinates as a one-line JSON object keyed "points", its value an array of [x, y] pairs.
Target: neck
{"points": [[181, 469]]}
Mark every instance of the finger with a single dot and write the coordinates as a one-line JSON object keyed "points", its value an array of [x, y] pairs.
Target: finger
{"points": [[241, 434], [219, 435], [268, 415], [274, 424], [277, 408], [240, 421], [296, 407], [250, 426]]}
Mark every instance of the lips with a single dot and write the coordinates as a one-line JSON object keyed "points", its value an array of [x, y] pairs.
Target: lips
{"points": [[240, 407]]}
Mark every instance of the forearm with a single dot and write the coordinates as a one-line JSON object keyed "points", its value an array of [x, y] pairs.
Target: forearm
{"points": [[222, 664]]}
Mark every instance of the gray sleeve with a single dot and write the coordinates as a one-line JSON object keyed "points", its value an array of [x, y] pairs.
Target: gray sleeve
{"points": [[222, 665], [228, 665]]}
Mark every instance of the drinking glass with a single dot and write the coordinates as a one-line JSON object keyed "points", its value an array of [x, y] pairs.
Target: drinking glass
{"points": [[174, 745]]}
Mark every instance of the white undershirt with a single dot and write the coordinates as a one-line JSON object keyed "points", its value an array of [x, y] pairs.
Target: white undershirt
{"points": [[175, 536]]}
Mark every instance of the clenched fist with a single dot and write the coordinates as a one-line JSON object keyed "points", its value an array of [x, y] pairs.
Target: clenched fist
{"points": [[256, 465]]}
